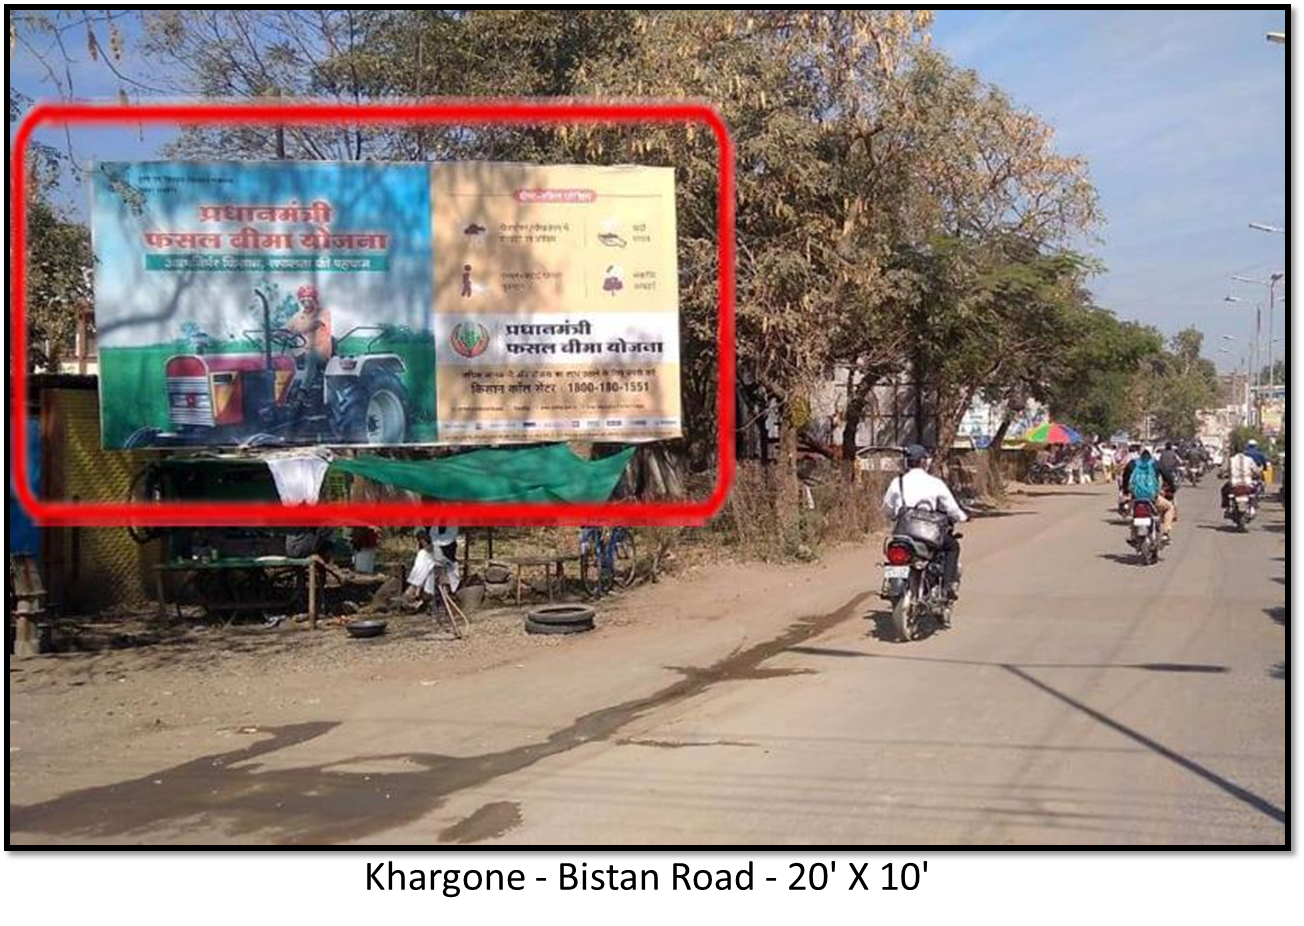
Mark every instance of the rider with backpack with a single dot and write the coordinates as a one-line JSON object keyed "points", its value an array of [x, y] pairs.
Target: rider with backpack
{"points": [[917, 487], [1147, 481]]}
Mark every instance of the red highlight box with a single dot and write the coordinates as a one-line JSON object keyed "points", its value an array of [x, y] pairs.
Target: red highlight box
{"points": [[499, 112]]}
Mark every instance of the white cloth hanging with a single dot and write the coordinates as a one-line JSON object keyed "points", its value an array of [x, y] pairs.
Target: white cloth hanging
{"points": [[298, 478]]}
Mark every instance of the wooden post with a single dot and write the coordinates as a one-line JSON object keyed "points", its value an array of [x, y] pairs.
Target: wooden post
{"points": [[159, 590], [312, 591], [26, 642]]}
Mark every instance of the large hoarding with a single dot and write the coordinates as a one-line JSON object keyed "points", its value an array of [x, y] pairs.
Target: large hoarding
{"points": [[384, 304], [556, 302]]}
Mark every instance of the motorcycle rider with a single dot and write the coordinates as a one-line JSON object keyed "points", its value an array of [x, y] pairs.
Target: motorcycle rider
{"points": [[1162, 499], [1170, 461], [1254, 453], [1127, 454], [916, 486], [1242, 470], [1171, 467]]}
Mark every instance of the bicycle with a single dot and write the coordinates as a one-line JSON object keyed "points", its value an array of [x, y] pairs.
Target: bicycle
{"points": [[606, 559]]}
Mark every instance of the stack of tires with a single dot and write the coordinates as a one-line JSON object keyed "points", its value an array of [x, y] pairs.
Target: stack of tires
{"points": [[560, 618]]}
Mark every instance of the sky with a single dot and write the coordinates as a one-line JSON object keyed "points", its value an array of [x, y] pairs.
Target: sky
{"points": [[1181, 115]]}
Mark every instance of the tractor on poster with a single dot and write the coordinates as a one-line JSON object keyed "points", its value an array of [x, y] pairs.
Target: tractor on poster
{"points": [[271, 395]]}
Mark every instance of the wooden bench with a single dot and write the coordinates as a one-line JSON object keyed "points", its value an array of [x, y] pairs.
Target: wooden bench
{"points": [[554, 569]]}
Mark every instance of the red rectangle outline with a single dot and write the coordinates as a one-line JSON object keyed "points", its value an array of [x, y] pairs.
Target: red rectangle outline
{"points": [[496, 112]]}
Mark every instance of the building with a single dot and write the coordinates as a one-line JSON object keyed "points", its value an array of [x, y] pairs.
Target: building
{"points": [[84, 568]]}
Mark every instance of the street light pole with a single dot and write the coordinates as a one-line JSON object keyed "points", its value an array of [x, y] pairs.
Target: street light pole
{"points": [[1272, 298]]}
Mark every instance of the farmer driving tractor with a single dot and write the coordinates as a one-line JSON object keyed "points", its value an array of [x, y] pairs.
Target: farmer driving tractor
{"points": [[313, 323]]}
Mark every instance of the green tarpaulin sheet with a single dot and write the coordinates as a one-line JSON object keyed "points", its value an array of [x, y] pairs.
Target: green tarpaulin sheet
{"points": [[532, 474]]}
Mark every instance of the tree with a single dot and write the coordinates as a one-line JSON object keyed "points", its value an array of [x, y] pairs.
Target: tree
{"points": [[1179, 384], [1275, 374], [58, 258], [1095, 391]]}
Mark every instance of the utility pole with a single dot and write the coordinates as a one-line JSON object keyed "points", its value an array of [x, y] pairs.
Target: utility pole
{"points": [[1272, 299]]}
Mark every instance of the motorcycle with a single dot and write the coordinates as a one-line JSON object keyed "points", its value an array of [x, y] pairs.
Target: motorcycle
{"points": [[1192, 472], [1242, 506], [1145, 536], [1048, 474], [913, 573]]}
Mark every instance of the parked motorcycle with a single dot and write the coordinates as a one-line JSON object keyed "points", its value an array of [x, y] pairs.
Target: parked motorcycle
{"points": [[913, 573], [1048, 474]]}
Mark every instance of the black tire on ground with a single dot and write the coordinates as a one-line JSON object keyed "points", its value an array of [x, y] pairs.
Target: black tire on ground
{"points": [[533, 626], [562, 614]]}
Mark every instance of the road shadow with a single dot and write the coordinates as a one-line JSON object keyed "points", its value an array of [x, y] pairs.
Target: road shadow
{"points": [[1054, 493], [882, 628], [828, 651], [1220, 528], [1275, 528], [983, 515], [1126, 559], [1019, 671], [1278, 614]]}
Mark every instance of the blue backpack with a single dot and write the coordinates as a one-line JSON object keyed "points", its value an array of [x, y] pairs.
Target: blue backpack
{"points": [[1145, 480]]}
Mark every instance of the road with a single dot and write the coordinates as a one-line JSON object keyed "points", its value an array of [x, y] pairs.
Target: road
{"points": [[1079, 698]]}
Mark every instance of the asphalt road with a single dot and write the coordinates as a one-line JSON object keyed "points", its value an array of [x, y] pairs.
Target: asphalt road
{"points": [[1079, 698]]}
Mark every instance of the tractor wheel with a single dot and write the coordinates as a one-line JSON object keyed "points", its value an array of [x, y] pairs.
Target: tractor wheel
{"points": [[380, 413], [141, 437]]}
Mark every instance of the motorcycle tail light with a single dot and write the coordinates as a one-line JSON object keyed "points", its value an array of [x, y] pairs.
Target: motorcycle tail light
{"points": [[899, 555], [1143, 510]]}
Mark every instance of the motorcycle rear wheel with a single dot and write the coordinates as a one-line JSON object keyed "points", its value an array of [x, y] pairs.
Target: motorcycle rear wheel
{"points": [[903, 611]]}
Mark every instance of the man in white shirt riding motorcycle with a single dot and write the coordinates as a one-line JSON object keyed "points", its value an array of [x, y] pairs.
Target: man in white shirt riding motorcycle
{"points": [[1242, 470], [916, 486]]}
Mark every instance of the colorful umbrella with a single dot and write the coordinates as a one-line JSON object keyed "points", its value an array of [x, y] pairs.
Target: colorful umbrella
{"points": [[1052, 433]]}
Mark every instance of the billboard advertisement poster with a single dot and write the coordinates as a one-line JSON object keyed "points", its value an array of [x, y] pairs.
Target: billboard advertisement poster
{"points": [[269, 304], [556, 302], [262, 304]]}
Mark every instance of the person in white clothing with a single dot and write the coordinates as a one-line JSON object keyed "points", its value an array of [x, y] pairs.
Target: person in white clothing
{"points": [[915, 487], [435, 564], [1242, 470]]}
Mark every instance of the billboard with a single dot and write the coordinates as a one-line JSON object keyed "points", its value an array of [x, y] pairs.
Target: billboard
{"points": [[269, 304], [556, 302]]}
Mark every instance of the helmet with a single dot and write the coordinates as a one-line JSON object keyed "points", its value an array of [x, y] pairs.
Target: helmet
{"points": [[915, 454], [1251, 443], [307, 291]]}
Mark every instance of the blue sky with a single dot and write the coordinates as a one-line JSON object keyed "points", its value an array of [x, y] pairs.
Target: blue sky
{"points": [[1180, 113], [1182, 117]]}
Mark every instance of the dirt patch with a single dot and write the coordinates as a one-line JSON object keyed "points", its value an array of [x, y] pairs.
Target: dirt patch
{"points": [[339, 801]]}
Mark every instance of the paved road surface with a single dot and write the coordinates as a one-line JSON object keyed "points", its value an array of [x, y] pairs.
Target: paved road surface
{"points": [[1080, 698]]}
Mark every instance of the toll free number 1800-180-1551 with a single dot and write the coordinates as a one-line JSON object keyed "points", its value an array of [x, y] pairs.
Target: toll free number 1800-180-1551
{"points": [[607, 385]]}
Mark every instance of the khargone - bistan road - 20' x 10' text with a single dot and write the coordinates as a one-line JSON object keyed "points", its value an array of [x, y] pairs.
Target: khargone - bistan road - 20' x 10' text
{"points": [[572, 876]]}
